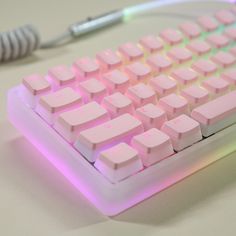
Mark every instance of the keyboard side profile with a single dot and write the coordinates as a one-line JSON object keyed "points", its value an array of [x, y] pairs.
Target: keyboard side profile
{"points": [[129, 124]]}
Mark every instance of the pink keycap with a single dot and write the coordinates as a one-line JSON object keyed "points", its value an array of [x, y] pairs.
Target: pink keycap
{"points": [[52, 104], [223, 59], [151, 116], [171, 36], [36, 84], [70, 123], [91, 141], [153, 146], [141, 94], [225, 17], [180, 55], [215, 115], [92, 89], [195, 95], [163, 85], [233, 50], [59, 100], [231, 33], [138, 72], [108, 59], [229, 76], [131, 51], [205, 67], [199, 47], [174, 105], [116, 81], [218, 40], [118, 104], [86, 67], [190, 29], [159, 63], [119, 162], [185, 76], [62, 75], [151, 43], [208, 23], [216, 86], [183, 131]]}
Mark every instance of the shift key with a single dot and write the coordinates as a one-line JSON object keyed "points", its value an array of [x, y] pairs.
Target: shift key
{"points": [[92, 141], [216, 114]]}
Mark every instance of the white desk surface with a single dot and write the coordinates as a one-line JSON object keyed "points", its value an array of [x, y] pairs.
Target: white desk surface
{"points": [[36, 200]]}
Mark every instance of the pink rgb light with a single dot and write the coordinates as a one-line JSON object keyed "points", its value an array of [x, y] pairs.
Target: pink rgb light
{"points": [[126, 193]]}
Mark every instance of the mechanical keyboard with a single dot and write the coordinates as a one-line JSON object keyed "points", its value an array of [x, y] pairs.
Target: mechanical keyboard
{"points": [[131, 122]]}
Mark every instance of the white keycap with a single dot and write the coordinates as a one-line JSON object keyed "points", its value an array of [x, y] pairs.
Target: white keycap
{"points": [[92, 141], [151, 116], [70, 123], [153, 146], [183, 131], [119, 162], [216, 114]]}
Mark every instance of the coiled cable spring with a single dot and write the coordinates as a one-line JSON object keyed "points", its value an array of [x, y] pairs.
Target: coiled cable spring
{"points": [[18, 43]]}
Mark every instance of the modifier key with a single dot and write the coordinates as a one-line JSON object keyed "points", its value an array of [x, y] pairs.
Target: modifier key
{"points": [[216, 114]]}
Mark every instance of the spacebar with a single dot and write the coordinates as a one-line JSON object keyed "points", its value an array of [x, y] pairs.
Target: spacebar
{"points": [[216, 114], [92, 141]]}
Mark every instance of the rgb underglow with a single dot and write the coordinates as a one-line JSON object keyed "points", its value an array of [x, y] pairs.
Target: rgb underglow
{"points": [[20, 114]]}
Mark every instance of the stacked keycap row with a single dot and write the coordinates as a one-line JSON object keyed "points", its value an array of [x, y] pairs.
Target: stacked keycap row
{"points": [[129, 109]]}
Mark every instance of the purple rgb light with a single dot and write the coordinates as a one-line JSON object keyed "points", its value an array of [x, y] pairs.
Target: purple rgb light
{"points": [[111, 199]]}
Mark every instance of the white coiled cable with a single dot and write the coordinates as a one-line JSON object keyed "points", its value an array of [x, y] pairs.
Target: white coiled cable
{"points": [[24, 40], [18, 43]]}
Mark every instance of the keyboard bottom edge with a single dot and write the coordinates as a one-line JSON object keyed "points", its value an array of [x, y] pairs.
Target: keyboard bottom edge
{"points": [[112, 199]]}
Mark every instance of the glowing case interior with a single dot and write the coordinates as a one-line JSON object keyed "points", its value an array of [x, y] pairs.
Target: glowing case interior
{"points": [[111, 199]]}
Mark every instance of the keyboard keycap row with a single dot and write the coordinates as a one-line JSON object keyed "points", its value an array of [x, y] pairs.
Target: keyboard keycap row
{"points": [[119, 80], [71, 123], [154, 145], [130, 109]]}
